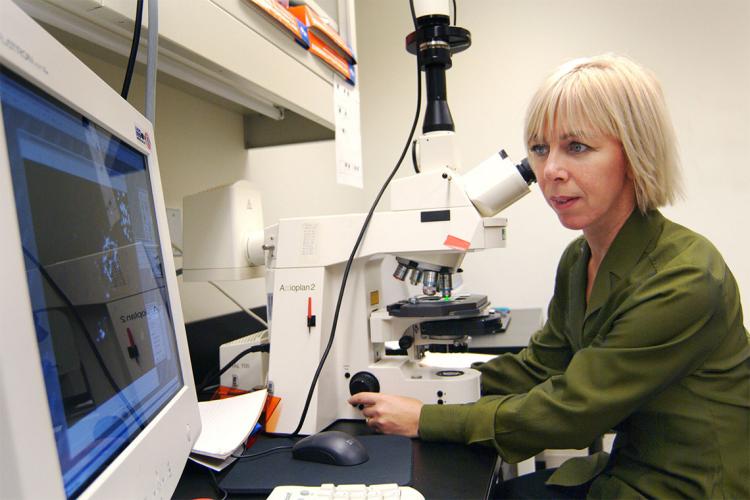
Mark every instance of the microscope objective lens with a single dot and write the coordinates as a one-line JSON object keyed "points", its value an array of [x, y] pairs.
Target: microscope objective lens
{"points": [[415, 278], [400, 272]]}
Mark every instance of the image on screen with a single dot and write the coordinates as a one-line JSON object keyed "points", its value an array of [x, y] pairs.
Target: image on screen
{"points": [[95, 278]]}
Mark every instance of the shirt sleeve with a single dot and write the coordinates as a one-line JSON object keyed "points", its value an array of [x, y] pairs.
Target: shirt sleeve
{"points": [[661, 332], [547, 354]]}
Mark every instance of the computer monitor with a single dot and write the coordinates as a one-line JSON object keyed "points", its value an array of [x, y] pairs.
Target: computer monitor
{"points": [[96, 390]]}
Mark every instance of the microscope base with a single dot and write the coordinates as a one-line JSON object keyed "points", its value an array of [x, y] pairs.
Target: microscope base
{"points": [[404, 377]]}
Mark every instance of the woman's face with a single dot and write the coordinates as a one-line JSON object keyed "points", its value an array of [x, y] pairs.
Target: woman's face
{"points": [[584, 178]]}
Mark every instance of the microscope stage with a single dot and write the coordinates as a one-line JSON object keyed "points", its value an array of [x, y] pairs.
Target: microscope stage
{"points": [[462, 306]]}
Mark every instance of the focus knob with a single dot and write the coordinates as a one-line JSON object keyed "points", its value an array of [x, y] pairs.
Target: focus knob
{"points": [[406, 342], [363, 382]]}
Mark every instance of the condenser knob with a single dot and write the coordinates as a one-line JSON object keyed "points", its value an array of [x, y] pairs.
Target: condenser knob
{"points": [[363, 382]]}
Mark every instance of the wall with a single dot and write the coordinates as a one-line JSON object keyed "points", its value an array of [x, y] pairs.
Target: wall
{"points": [[699, 49]]}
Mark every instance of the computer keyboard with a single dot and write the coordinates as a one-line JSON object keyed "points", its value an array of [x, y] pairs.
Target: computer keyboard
{"points": [[343, 491]]}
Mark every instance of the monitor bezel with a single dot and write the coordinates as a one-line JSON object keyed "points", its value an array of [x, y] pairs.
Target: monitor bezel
{"points": [[154, 460]]}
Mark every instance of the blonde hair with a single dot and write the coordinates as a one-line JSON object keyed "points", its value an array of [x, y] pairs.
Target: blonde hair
{"points": [[613, 96]]}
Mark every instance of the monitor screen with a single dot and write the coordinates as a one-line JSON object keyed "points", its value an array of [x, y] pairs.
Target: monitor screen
{"points": [[96, 283]]}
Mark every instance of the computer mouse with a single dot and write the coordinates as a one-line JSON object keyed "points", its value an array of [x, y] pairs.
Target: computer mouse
{"points": [[331, 447]]}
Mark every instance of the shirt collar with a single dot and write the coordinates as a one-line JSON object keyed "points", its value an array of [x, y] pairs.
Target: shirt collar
{"points": [[635, 237]]}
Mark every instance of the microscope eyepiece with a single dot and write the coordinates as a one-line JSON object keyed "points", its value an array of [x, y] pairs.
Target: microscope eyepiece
{"points": [[525, 170]]}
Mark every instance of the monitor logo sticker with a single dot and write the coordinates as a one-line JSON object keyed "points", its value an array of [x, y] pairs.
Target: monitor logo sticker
{"points": [[143, 137], [21, 52]]}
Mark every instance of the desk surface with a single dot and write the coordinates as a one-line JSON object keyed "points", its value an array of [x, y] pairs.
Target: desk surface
{"points": [[440, 470]]}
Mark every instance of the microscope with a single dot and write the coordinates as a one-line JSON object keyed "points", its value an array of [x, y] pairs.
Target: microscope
{"points": [[436, 216]]}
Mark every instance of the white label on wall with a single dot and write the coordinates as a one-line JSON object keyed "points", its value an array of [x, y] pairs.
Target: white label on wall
{"points": [[348, 137]]}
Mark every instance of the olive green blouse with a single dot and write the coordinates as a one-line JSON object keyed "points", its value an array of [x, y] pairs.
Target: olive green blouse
{"points": [[659, 354]]}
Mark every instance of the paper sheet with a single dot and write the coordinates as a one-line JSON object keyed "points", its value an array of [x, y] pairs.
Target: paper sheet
{"points": [[216, 464], [227, 423], [348, 136]]}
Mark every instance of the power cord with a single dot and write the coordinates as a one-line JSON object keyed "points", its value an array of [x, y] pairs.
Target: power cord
{"points": [[133, 50], [253, 456], [224, 493], [359, 241]]}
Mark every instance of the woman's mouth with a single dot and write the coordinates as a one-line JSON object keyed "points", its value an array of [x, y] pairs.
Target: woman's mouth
{"points": [[563, 202]]}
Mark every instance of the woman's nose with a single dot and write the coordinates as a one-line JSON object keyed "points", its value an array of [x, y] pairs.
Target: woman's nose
{"points": [[554, 167]]}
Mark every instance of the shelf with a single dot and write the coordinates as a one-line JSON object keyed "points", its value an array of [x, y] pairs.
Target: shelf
{"points": [[225, 47]]}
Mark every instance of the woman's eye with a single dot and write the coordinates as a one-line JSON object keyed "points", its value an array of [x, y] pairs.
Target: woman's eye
{"points": [[539, 149], [577, 147]]}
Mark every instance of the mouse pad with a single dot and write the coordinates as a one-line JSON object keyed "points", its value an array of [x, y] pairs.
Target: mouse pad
{"points": [[390, 462]]}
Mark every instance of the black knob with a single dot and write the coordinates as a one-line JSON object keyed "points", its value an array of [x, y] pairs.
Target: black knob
{"points": [[405, 342], [363, 382]]}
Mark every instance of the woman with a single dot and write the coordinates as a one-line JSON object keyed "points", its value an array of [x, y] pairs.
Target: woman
{"points": [[645, 331]]}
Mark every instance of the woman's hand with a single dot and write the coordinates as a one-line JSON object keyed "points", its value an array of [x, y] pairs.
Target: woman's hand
{"points": [[389, 414]]}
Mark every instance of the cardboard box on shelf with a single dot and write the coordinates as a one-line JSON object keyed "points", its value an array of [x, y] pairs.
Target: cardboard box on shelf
{"points": [[318, 27], [285, 20], [326, 43]]}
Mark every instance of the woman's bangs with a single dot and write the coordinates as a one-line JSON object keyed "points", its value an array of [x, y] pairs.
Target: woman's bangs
{"points": [[568, 109]]}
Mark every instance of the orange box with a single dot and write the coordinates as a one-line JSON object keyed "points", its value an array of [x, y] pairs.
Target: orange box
{"points": [[327, 35], [285, 20], [326, 43], [332, 58]]}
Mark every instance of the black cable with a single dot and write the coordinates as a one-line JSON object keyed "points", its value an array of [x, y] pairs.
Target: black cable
{"points": [[253, 456], [221, 490], [455, 13], [414, 161], [211, 375], [133, 50], [359, 241]]}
